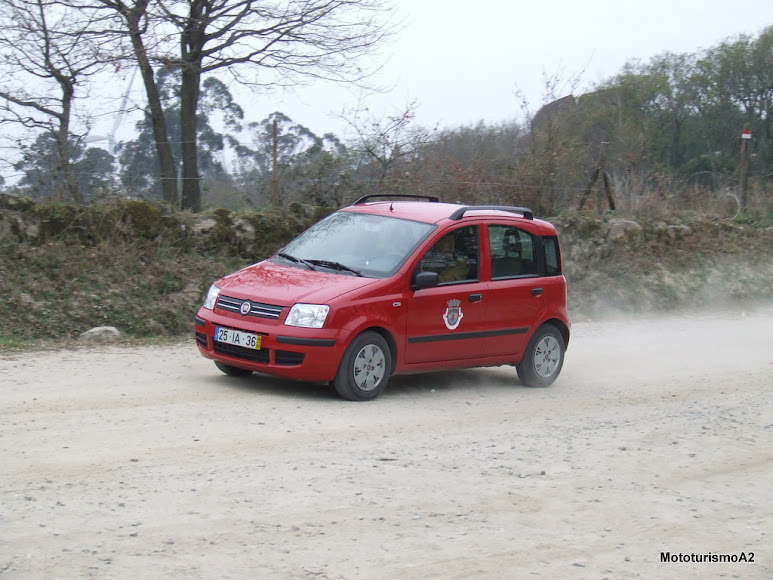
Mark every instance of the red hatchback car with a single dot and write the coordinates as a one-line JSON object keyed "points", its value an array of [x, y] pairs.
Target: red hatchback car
{"points": [[386, 287]]}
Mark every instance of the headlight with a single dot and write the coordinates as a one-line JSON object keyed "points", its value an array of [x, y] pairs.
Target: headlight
{"points": [[211, 299], [308, 315]]}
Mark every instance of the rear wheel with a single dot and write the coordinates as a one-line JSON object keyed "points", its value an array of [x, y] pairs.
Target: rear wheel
{"points": [[543, 359], [232, 371], [364, 369]]}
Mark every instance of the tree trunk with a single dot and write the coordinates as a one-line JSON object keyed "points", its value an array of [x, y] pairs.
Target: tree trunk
{"points": [[191, 45], [70, 185], [160, 133], [189, 100]]}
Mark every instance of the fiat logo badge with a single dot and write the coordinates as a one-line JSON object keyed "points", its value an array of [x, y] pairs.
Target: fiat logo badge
{"points": [[245, 308]]}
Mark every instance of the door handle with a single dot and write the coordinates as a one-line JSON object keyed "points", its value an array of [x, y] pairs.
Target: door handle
{"points": [[536, 291], [475, 297]]}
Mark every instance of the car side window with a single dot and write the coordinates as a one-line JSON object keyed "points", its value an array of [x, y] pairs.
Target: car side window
{"points": [[454, 256], [512, 252]]}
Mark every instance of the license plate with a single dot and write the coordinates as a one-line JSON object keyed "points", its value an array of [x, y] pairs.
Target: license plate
{"points": [[238, 338]]}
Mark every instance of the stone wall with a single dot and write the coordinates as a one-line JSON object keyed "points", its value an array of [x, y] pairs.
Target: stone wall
{"points": [[612, 264]]}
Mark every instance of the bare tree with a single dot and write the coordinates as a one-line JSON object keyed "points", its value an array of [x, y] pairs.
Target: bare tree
{"points": [[139, 25], [388, 140], [260, 43], [46, 52], [549, 152], [266, 44]]}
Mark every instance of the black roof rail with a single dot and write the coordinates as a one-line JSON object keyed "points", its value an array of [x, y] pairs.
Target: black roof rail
{"points": [[366, 198], [459, 213]]}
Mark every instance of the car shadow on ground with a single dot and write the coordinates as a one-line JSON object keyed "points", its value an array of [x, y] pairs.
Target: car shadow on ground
{"points": [[274, 386], [475, 380]]}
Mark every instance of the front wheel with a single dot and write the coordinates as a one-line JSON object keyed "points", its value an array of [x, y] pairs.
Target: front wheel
{"points": [[364, 369], [543, 359]]}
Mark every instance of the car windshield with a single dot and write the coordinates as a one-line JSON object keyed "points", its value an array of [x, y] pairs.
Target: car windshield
{"points": [[356, 244]]}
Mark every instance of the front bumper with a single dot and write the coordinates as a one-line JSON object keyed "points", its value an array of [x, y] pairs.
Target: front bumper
{"points": [[297, 353]]}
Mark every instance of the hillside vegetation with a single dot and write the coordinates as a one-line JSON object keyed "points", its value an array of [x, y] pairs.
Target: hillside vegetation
{"points": [[686, 129], [143, 269]]}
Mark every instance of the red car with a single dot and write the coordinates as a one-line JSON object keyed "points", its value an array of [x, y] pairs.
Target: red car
{"points": [[386, 287]]}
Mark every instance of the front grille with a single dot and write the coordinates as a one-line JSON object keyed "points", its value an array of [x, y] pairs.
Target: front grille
{"points": [[201, 339], [250, 354], [256, 308], [288, 358]]}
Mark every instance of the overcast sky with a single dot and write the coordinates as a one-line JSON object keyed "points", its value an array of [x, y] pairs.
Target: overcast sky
{"points": [[463, 60]]}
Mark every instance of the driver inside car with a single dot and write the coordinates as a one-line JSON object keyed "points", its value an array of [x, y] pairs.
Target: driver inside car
{"points": [[446, 261]]}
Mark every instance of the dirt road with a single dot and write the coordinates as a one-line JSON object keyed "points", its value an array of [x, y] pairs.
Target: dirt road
{"points": [[149, 463]]}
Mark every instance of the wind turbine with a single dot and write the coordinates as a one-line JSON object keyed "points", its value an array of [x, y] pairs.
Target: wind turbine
{"points": [[110, 137]]}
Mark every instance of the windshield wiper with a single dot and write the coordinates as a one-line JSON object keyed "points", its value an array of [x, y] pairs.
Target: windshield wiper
{"points": [[336, 266], [297, 260]]}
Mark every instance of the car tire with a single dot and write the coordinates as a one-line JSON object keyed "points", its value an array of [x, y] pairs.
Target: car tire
{"points": [[232, 371], [365, 368], [541, 363]]}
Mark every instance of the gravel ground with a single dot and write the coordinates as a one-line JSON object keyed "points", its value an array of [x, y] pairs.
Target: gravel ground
{"points": [[148, 463]]}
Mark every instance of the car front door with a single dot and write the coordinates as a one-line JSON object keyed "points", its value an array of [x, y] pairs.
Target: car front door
{"points": [[447, 322]]}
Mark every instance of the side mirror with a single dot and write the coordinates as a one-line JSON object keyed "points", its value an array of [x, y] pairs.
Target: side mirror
{"points": [[426, 280]]}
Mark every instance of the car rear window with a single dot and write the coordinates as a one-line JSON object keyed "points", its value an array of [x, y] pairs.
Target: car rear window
{"points": [[552, 257]]}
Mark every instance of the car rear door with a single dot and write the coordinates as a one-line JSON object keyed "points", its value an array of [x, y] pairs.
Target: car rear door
{"points": [[515, 297]]}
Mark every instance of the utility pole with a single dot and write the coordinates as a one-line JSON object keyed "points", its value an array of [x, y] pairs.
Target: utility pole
{"points": [[274, 169], [746, 137]]}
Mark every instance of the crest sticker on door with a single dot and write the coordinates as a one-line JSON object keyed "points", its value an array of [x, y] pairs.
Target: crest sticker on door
{"points": [[453, 315]]}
